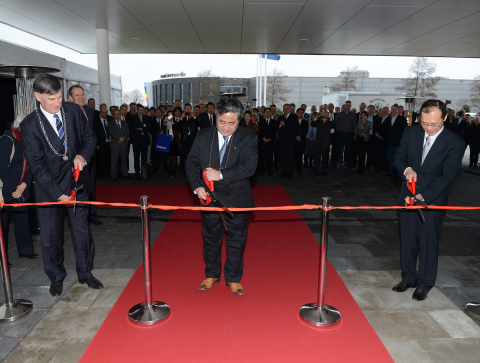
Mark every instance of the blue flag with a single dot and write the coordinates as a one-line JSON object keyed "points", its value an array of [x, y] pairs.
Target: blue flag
{"points": [[271, 56]]}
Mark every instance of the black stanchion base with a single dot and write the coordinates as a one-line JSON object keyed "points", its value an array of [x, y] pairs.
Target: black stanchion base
{"points": [[20, 309], [144, 314], [473, 309], [324, 316]]}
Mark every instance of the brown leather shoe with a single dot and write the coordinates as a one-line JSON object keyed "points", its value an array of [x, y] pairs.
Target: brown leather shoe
{"points": [[207, 284], [235, 288]]}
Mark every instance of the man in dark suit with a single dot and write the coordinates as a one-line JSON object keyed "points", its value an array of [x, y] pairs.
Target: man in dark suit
{"points": [[118, 131], [188, 125], [76, 94], [234, 149], [324, 126], [208, 118], [371, 140], [391, 132], [57, 141], [287, 133], [333, 136], [300, 139], [156, 157], [103, 144], [431, 155], [267, 138], [139, 137], [381, 160]]}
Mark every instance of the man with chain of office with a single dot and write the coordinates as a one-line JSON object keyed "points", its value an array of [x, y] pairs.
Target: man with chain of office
{"points": [[222, 158], [56, 142]]}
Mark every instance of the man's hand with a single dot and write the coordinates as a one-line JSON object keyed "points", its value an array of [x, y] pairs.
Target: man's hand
{"points": [[212, 174], [378, 135], [122, 139], [311, 138], [298, 138], [201, 193], [409, 174], [64, 198], [266, 140], [17, 194], [282, 123], [79, 162], [98, 147], [418, 197]]}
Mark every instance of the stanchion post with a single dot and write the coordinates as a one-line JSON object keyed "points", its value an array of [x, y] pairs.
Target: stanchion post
{"points": [[12, 309], [148, 312], [473, 309], [319, 314]]}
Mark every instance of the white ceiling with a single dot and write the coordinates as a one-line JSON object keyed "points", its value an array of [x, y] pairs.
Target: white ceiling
{"points": [[435, 28]]}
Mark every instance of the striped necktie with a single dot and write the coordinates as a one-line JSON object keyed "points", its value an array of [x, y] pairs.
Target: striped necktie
{"points": [[61, 131], [426, 147], [224, 147]]}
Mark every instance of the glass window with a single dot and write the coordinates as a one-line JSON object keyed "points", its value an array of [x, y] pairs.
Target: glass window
{"points": [[181, 94], [166, 94]]}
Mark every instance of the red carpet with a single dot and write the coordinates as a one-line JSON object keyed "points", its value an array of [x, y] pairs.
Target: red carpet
{"points": [[281, 269]]}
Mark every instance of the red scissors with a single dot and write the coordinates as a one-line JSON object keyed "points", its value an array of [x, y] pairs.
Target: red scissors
{"points": [[414, 201], [212, 199], [73, 193]]}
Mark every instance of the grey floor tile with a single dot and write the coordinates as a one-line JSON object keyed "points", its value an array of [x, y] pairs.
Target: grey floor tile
{"points": [[71, 351], [405, 351], [398, 325], [109, 262], [444, 279], [42, 299], [466, 277], [347, 250], [341, 263], [366, 299], [450, 263], [7, 344], [451, 350], [365, 278], [125, 249], [38, 277], [375, 263], [78, 297], [35, 350], [21, 328], [460, 296], [113, 277], [472, 262], [366, 238], [456, 323], [132, 262], [107, 298]]}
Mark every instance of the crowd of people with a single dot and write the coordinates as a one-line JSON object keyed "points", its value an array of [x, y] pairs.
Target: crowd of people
{"points": [[290, 140]]}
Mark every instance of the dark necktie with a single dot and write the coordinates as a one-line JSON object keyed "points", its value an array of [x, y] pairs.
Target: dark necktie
{"points": [[61, 131], [224, 147], [211, 121], [106, 129]]}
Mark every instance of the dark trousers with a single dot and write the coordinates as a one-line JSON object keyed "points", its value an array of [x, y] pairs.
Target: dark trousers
{"points": [[51, 236], [140, 150], [298, 154], [370, 152], [320, 162], [391, 151], [184, 151], [419, 241], [116, 168], [235, 238], [362, 146], [156, 158], [381, 161], [92, 170], [276, 154], [21, 225], [347, 140], [265, 155], [103, 161], [474, 151], [287, 153], [333, 143]]}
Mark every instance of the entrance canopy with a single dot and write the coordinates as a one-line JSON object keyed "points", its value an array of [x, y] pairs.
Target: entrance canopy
{"points": [[440, 28]]}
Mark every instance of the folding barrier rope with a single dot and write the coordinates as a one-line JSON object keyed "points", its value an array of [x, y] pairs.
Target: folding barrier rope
{"points": [[151, 312]]}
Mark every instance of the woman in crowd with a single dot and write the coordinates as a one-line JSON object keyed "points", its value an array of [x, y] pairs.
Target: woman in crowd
{"points": [[361, 136], [309, 153], [250, 121], [473, 139], [15, 179]]}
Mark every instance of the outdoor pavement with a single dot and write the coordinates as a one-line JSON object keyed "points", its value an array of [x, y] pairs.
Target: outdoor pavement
{"points": [[363, 246]]}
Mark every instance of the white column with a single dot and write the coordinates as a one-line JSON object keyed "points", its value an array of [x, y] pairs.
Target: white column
{"points": [[259, 94], [103, 62], [265, 91]]}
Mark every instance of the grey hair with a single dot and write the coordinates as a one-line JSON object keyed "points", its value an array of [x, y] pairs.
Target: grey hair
{"points": [[18, 120]]}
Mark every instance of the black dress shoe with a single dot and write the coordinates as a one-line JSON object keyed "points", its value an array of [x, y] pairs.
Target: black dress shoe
{"points": [[56, 288], [402, 287], [92, 282], [31, 256], [128, 177], [95, 221], [281, 175], [10, 265], [419, 295]]}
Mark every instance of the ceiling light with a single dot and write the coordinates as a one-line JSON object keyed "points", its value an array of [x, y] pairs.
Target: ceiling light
{"points": [[303, 40], [136, 39]]}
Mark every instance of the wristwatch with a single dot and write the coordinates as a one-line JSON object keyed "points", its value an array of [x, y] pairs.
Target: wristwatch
{"points": [[220, 175]]}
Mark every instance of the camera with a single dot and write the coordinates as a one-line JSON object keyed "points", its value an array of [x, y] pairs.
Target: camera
{"points": [[447, 102]]}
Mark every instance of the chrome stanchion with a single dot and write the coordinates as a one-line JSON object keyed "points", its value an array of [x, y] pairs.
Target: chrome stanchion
{"points": [[318, 313], [148, 312], [473, 308], [12, 309]]}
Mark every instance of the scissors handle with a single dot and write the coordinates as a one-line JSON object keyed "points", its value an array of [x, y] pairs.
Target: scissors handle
{"points": [[206, 202], [72, 195], [76, 174], [411, 186], [208, 182]]}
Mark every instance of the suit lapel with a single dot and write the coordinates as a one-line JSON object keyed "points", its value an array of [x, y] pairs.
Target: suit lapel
{"points": [[437, 145], [51, 134], [70, 126]]}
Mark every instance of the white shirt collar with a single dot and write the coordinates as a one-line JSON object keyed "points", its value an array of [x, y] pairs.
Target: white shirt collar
{"points": [[432, 138], [220, 139], [51, 119]]}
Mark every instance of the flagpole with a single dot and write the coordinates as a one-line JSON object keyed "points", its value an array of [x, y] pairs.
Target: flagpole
{"points": [[259, 95], [265, 91], [256, 83]]}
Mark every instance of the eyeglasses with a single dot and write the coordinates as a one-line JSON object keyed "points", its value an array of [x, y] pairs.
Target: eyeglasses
{"points": [[432, 126]]}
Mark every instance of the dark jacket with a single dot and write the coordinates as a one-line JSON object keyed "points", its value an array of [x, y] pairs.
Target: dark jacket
{"points": [[188, 126], [472, 135], [100, 131], [323, 134], [204, 119], [288, 133], [303, 130], [11, 172], [53, 175], [439, 168], [139, 136], [268, 131], [241, 162], [393, 134]]}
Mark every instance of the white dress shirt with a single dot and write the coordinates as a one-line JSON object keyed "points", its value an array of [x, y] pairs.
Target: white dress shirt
{"points": [[432, 138], [220, 140], [51, 119], [102, 120]]}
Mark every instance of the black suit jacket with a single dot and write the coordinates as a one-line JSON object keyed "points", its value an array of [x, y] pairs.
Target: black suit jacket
{"points": [[205, 120], [53, 175], [303, 130], [100, 131], [186, 125], [376, 125], [11, 172], [267, 131], [287, 133], [241, 159], [139, 136], [393, 135], [439, 168], [323, 134], [91, 117]]}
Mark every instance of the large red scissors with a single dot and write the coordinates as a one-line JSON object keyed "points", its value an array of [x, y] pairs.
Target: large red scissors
{"points": [[73, 193], [212, 199], [414, 201]]}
